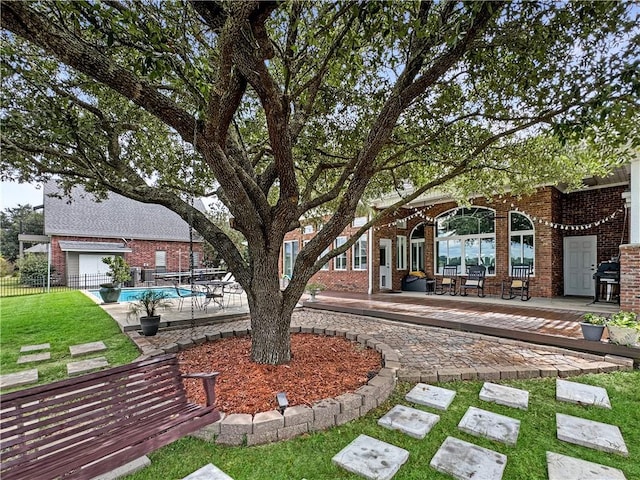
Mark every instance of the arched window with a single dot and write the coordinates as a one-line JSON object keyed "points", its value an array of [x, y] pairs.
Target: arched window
{"points": [[417, 249], [465, 237], [521, 241]]}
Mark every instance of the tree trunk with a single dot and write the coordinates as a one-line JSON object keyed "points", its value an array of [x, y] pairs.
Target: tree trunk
{"points": [[271, 310], [270, 322]]}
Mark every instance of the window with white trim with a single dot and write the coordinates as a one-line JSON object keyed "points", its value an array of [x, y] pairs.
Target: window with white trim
{"points": [[307, 229], [521, 241], [417, 248], [340, 262], [359, 221], [401, 252], [289, 255], [161, 260], [326, 265], [465, 237], [360, 254]]}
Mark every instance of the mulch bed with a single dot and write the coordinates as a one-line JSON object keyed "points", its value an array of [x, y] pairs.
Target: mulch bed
{"points": [[322, 367]]}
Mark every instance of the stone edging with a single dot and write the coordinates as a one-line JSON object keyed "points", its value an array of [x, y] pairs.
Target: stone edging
{"points": [[272, 426]]}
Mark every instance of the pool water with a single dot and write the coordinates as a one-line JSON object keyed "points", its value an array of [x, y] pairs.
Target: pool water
{"points": [[130, 294]]}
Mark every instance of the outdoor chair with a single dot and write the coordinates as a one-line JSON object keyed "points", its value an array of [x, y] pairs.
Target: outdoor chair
{"points": [[228, 277], [214, 294], [194, 296], [448, 281], [475, 279], [517, 284], [234, 289]]}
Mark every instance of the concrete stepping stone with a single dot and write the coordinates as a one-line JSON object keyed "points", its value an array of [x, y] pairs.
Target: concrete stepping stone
{"points": [[582, 394], [84, 348], [415, 423], [591, 434], [208, 472], [34, 357], [561, 467], [431, 396], [84, 366], [466, 461], [126, 469], [35, 348], [371, 458], [490, 425], [503, 395], [16, 379]]}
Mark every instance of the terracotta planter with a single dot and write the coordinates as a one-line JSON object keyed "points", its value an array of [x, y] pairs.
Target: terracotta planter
{"points": [[591, 332], [150, 325]]}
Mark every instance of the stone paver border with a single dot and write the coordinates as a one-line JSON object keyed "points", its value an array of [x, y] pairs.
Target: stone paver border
{"points": [[35, 348], [17, 379], [34, 357], [267, 427]]}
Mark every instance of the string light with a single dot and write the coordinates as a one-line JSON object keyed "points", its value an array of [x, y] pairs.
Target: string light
{"points": [[535, 219], [561, 226]]}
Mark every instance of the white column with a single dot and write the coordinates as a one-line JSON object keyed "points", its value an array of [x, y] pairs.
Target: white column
{"points": [[634, 210], [370, 236]]}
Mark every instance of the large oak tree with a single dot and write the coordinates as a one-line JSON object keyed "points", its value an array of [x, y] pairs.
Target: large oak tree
{"points": [[288, 110]]}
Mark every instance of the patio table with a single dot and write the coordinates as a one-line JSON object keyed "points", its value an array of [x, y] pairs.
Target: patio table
{"points": [[214, 292]]}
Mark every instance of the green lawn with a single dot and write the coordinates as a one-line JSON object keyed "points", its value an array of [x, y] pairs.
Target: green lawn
{"points": [[69, 318], [309, 457], [60, 319]]}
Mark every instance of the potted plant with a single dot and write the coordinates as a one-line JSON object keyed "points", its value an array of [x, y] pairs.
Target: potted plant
{"points": [[592, 326], [312, 289], [120, 272], [148, 302], [624, 328]]}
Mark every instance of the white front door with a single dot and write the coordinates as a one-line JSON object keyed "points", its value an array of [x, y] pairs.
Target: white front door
{"points": [[385, 263], [580, 257]]}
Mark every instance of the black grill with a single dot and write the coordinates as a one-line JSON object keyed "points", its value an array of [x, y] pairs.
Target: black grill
{"points": [[605, 271]]}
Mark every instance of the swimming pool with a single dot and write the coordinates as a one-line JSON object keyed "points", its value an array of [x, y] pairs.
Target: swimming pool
{"points": [[130, 294]]}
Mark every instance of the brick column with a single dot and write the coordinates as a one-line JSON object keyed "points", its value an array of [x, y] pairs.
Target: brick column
{"points": [[630, 277]]}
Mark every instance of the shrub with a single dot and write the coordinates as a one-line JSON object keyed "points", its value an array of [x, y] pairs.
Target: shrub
{"points": [[6, 267], [119, 269], [33, 269], [625, 319], [594, 319]]}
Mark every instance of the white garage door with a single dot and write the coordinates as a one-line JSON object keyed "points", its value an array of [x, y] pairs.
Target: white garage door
{"points": [[91, 264]]}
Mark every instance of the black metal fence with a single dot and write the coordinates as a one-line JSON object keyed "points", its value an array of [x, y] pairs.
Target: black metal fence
{"points": [[14, 286], [84, 282], [29, 285]]}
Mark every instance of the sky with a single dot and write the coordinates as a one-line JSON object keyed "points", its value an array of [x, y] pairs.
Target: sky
{"points": [[12, 194]]}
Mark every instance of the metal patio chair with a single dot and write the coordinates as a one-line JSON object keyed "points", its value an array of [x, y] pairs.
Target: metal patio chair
{"points": [[233, 289], [194, 296]]}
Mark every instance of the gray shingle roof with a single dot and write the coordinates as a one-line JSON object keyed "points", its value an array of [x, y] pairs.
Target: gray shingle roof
{"points": [[116, 217]]}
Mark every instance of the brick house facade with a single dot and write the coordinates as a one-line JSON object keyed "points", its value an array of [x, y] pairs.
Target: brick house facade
{"points": [[82, 231], [595, 216]]}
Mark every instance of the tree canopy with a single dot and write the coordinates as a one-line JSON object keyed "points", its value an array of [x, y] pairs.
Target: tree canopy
{"points": [[22, 219], [285, 110]]}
